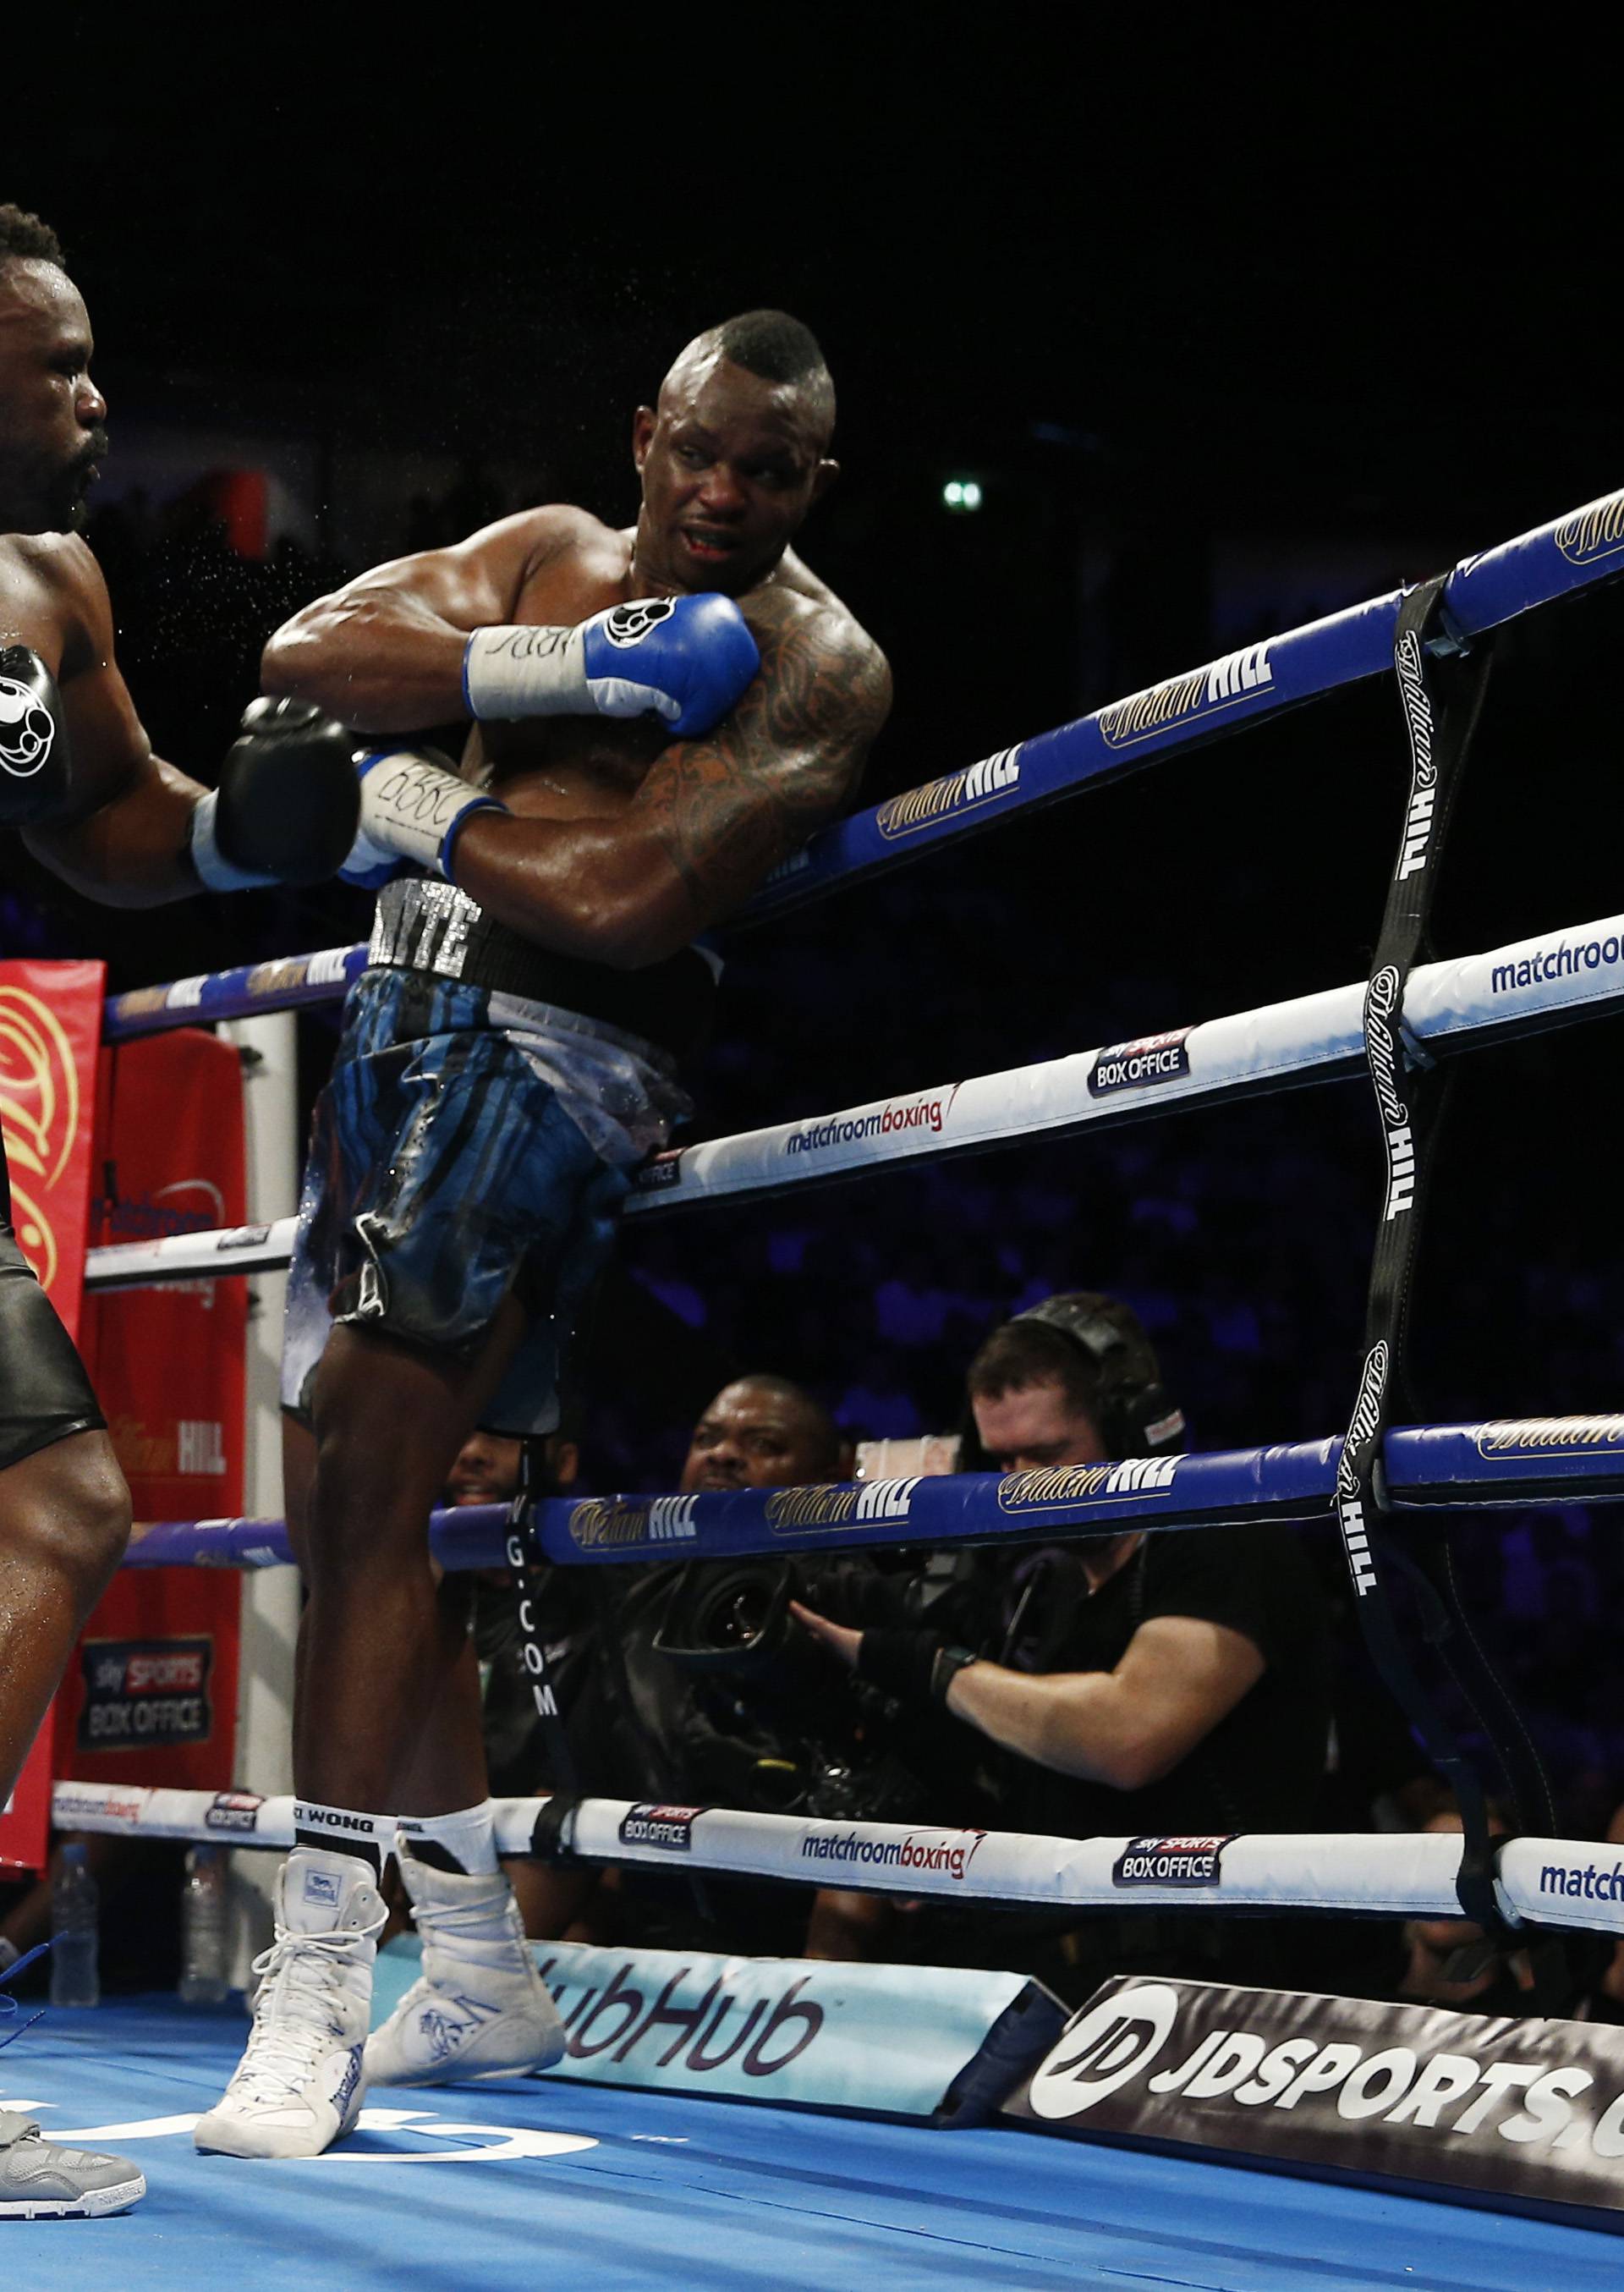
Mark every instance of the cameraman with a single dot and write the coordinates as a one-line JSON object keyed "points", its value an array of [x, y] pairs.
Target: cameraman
{"points": [[1130, 1683], [672, 1678]]}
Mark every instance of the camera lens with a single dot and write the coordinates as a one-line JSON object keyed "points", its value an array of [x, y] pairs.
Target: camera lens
{"points": [[742, 1616]]}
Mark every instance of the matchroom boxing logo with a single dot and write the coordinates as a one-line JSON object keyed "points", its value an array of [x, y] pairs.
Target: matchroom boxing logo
{"points": [[947, 1854], [885, 1121]]}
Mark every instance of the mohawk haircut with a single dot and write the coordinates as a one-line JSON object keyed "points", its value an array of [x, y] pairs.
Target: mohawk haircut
{"points": [[779, 349], [24, 238], [772, 345]]}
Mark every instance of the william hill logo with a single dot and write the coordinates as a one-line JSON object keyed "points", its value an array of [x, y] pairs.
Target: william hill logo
{"points": [[1550, 1436], [1074, 1484], [1170, 707], [1592, 532], [603, 1523], [840, 1505], [920, 807]]}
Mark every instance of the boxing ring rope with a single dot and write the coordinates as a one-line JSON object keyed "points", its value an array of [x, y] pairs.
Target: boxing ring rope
{"points": [[1573, 553], [1549, 981], [1405, 1875], [1546, 980], [1516, 1461]]}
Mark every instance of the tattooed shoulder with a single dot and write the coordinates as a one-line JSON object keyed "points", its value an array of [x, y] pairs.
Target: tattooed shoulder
{"points": [[732, 805], [823, 691]]}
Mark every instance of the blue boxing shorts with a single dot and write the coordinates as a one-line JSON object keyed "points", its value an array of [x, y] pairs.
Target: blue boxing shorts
{"points": [[470, 1145]]}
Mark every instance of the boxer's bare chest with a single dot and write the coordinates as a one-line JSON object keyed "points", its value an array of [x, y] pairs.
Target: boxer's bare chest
{"points": [[567, 765], [564, 767], [39, 606]]}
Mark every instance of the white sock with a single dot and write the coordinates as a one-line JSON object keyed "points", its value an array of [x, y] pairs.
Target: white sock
{"points": [[342, 1830], [466, 1840]]}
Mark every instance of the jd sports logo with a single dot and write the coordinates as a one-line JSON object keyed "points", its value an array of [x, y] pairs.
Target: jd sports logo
{"points": [[27, 730], [1110, 2045], [629, 624]]}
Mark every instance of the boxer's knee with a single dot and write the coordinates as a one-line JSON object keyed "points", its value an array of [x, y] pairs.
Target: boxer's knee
{"points": [[67, 1508], [368, 1506]]}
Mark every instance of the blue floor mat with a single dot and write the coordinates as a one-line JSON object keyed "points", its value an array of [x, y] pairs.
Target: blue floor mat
{"points": [[465, 2188]]}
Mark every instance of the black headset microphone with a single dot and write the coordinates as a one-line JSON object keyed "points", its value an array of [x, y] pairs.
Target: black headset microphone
{"points": [[1132, 1407]]}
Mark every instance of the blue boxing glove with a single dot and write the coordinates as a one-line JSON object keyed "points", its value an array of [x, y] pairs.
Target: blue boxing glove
{"points": [[286, 807], [685, 658], [34, 778]]}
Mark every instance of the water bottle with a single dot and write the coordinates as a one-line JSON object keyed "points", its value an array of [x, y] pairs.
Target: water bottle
{"points": [[74, 1978], [205, 1942]]}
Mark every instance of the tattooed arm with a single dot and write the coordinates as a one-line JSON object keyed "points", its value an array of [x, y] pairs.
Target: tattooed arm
{"points": [[712, 818]]}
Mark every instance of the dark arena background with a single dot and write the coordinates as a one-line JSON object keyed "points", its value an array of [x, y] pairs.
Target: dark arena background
{"points": [[1140, 357]]}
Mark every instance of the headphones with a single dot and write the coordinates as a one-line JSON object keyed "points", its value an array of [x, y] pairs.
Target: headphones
{"points": [[1135, 1413]]}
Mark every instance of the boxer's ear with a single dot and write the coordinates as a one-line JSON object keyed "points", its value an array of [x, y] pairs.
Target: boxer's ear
{"points": [[642, 435], [824, 477]]}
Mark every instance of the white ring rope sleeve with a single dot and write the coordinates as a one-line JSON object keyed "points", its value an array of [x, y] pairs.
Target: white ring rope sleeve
{"points": [[1546, 980], [1562, 1882]]}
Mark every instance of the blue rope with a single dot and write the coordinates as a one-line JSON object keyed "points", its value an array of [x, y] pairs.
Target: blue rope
{"points": [[10, 2007]]}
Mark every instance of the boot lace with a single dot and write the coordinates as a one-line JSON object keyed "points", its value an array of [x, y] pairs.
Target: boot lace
{"points": [[297, 2011]]}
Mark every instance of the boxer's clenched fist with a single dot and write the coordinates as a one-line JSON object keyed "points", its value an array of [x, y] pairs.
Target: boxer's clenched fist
{"points": [[287, 805], [685, 658]]}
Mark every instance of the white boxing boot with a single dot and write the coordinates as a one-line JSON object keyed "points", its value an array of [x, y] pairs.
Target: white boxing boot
{"points": [[299, 2086], [479, 2009]]}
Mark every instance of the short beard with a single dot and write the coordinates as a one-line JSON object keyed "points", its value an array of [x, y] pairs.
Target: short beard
{"points": [[56, 503]]}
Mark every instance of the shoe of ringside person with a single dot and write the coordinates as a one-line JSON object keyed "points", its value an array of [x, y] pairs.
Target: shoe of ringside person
{"points": [[40, 2181]]}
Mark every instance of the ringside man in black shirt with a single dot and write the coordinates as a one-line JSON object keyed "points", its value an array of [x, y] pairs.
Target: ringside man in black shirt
{"points": [[1139, 1684]]}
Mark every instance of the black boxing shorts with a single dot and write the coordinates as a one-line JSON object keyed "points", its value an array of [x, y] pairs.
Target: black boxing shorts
{"points": [[45, 1393]]}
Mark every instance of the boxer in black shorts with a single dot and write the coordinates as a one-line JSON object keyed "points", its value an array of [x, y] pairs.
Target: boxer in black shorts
{"points": [[79, 780], [660, 715]]}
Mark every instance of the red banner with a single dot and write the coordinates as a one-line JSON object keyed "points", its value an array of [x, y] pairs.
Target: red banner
{"points": [[151, 1694], [50, 1039], [50, 1036]]}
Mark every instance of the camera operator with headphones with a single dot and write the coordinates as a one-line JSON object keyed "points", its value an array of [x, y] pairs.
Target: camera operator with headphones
{"points": [[1123, 1683]]}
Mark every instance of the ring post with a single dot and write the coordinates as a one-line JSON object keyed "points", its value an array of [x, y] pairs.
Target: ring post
{"points": [[267, 1047]]}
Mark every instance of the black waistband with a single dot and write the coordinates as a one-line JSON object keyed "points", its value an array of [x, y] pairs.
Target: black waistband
{"points": [[423, 925]]}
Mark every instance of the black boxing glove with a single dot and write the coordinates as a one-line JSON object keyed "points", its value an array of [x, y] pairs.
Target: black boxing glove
{"points": [[287, 804], [34, 778]]}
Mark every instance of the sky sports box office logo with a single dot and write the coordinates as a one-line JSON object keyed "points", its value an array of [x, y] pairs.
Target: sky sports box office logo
{"points": [[1136, 1065], [145, 1692], [671, 1828], [1170, 1861]]}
